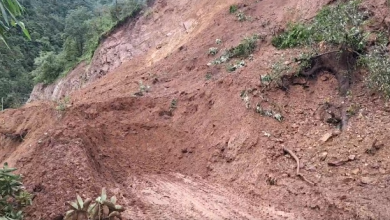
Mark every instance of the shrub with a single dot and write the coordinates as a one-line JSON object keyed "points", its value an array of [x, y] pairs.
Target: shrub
{"points": [[49, 67], [340, 24], [233, 9], [13, 196], [245, 48], [344, 26], [297, 35], [378, 65], [102, 209]]}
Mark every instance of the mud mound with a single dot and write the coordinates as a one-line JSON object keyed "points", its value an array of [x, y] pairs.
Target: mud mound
{"points": [[192, 148]]}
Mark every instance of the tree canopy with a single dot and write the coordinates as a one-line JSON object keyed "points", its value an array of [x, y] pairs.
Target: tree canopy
{"points": [[63, 33]]}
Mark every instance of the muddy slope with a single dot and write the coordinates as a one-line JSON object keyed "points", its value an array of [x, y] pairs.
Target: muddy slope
{"points": [[190, 149]]}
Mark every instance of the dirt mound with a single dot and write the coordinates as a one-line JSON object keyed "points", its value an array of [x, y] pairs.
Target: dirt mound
{"points": [[191, 145]]}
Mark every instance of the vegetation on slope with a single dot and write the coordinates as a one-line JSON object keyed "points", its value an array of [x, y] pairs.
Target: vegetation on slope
{"points": [[342, 28], [62, 34]]}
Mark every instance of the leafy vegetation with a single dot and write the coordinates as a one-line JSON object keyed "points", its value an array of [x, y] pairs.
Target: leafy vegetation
{"points": [[378, 64], [13, 196], [9, 11], [102, 209], [243, 50], [233, 9], [63, 33], [342, 26]]}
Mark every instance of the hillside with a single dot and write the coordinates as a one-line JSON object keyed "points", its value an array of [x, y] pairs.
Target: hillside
{"points": [[175, 138]]}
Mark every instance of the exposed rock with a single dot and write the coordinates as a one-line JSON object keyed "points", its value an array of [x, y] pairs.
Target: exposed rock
{"points": [[323, 156], [367, 180], [328, 136], [355, 171]]}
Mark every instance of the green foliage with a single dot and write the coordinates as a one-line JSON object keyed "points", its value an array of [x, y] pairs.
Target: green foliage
{"points": [[9, 11], [63, 104], [78, 209], [341, 24], [233, 9], [378, 64], [245, 48], [63, 33], [213, 51], [241, 16], [102, 209], [13, 197], [297, 35], [49, 67]]}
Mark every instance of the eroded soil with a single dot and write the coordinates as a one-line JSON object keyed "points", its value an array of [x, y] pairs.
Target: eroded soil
{"points": [[191, 148]]}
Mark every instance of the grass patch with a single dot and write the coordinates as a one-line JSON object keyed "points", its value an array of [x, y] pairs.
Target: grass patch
{"points": [[342, 26]]}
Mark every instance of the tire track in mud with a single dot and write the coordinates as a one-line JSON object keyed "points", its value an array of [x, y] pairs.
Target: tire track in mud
{"points": [[176, 196]]}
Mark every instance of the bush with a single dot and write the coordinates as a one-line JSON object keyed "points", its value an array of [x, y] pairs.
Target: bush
{"points": [[245, 48], [378, 65], [13, 196], [102, 209], [341, 24], [49, 67], [233, 9], [344, 26], [297, 35]]}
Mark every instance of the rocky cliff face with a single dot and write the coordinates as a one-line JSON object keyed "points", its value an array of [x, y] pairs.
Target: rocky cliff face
{"points": [[133, 39]]}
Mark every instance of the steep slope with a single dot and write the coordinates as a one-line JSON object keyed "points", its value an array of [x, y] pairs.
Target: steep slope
{"points": [[189, 148]]}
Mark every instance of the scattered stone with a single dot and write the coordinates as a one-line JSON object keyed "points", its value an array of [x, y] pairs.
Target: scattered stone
{"points": [[329, 135], [382, 171], [367, 180], [323, 156], [356, 171], [311, 168], [324, 78], [375, 166], [348, 180], [352, 157]]}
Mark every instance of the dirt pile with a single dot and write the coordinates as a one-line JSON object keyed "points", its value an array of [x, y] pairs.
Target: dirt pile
{"points": [[188, 147]]}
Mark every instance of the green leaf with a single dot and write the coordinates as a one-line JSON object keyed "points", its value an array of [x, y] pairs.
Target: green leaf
{"points": [[113, 199], [69, 214], [73, 205], [104, 194], [87, 202], [4, 14], [80, 202], [119, 208]]}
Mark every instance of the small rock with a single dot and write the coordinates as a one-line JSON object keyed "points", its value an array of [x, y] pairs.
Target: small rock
{"points": [[329, 135], [375, 166], [323, 156], [367, 180], [311, 168], [356, 171], [382, 171], [184, 151], [324, 78], [326, 137], [295, 126], [348, 180], [351, 157]]}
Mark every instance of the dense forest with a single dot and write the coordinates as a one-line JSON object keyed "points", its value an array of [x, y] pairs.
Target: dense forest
{"points": [[63, 33]]}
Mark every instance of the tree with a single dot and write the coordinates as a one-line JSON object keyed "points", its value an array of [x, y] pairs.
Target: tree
{"points": [[76, 29]]}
